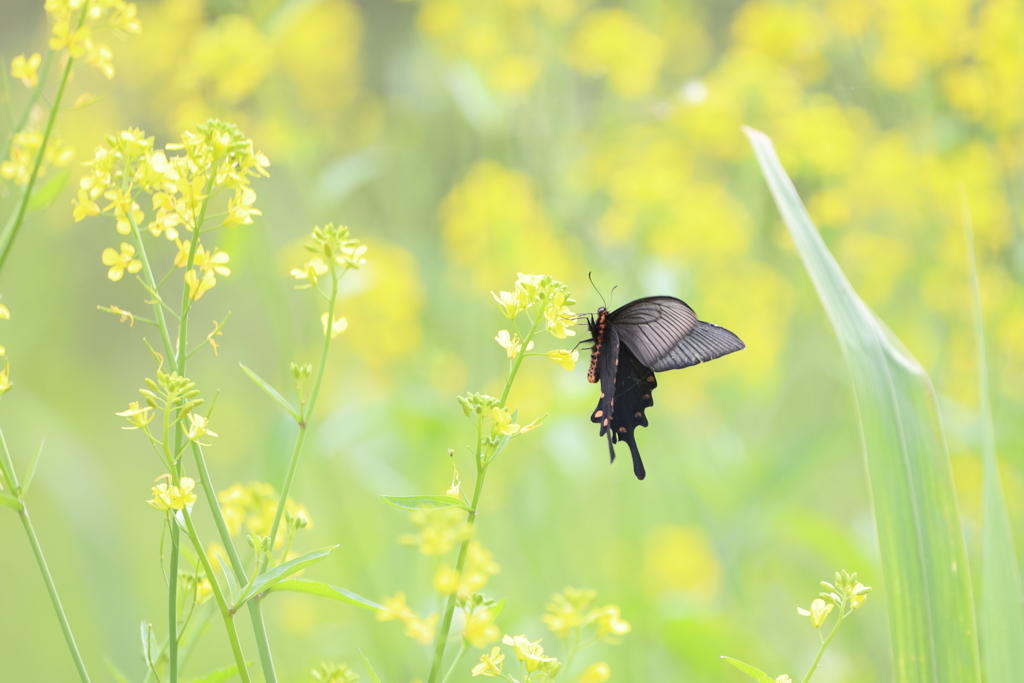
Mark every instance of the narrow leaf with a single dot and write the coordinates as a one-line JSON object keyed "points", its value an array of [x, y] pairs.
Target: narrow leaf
{"points": [[426, 502], [921, 544], [282, 571], [752, 671], [32, 469], [325, 591], [47, 193], [11, 503], [271, 391], [1001, 622], [369, 668]]}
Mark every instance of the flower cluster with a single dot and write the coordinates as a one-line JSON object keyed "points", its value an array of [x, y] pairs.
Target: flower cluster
{"points": [[214, 160], [537, 665], [167, 496], [846, 594], [24, 149], [73, 22], [541, 298], [253, 506], [420, 629], [571, 611], [334, 673]]}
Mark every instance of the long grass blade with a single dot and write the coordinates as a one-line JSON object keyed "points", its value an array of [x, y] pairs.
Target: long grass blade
{"points": [[1000, 618], [927, 577]]}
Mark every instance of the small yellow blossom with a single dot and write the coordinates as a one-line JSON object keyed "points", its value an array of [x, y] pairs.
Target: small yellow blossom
{"points": [[599, 672], [120, 262], [351, 256], [311, 271], [511, 303], [558, 318], [196, 286], [818, 613], [394, 608], [446, 580], [161, 499], [422, 630], [337, 327], [25, 69], [84, 206], [5, 313], [203, 590], [181, 496], [529, 652], [480, 630], [490, 664], [212, 262], [197, 427], [503, 422], [610, 622], [857, 600], [784, 678], [240, 208], [567, 359], [511, 343], [76, 41], [5, 375], [138, 417]]}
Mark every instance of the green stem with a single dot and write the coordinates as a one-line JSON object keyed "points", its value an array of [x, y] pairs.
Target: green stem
{"points": [[307, 414], [255, 615], [54, 598], [12, 478], [446, 623], [824, 644], [458, 658], [218, 594], [172, 606], [158, 307], [18, 217], [481, 472]]}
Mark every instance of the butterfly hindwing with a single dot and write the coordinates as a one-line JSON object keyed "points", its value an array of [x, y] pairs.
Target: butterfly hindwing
{"points": [[626, 388]]}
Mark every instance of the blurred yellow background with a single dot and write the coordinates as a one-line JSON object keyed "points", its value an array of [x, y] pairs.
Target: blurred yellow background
{"points": [[465, 141]]}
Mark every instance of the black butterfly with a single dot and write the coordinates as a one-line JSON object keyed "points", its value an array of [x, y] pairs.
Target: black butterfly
{"points": [[632, 343]]}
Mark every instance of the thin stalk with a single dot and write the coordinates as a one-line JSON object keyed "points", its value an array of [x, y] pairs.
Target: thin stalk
{"points": [[158, 307], [37, 550], [18, 217], [824, 644], [481, 472], [458, 658], [218, 594], [172, 606]]}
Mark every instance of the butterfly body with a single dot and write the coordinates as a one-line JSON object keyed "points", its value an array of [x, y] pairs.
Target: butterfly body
{"points": [[633, 342]]}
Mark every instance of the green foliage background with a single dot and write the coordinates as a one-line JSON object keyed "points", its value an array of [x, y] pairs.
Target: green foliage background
{"points": [[467, 141]]}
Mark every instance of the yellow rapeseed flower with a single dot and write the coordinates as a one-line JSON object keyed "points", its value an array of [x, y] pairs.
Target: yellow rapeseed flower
{"points": [[25, 69], [610, 623], [446, 580], [337, 327], [857, 600], [503, 422], [480, 630], [567, 359], [197, 427], [395, 607], [818, 613], [529, 652], [138, 417], [511, 303], [490, 664], [5, 375], [5, 313], [558, 318], [784, 678], [121, 261], [511, 343], [84, 206], [212, 262], [598, 672], [311, 271], [198, 286]]}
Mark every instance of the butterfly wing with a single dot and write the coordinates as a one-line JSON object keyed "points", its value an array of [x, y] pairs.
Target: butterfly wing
{"points": [[664, 334], [626, 387]]}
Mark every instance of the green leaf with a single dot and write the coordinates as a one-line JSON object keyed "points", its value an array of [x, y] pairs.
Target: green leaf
{"points": [[1001, 623], [11, 503], [931, 611], [325, 591], [47, 193], [426, 502], [369, 668], [752, 671], [271, 391], [221, 675], [32, 469], [280, 572]]}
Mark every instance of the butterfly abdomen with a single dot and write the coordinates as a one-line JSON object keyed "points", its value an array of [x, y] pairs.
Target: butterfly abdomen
{"points": [[597, 333]]}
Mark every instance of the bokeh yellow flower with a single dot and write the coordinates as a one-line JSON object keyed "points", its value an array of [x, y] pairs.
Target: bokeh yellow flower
{"points": [[598, 672], [121, 261], [564, 357], [25, 68], [490, 663]]}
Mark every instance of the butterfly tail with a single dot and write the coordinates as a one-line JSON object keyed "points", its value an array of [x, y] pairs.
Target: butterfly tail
{"points": [[638, 463], [611, 445]]}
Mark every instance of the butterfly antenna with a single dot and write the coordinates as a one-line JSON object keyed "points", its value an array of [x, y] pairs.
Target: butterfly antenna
{"points": [[611, 295], [590, 276]]}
